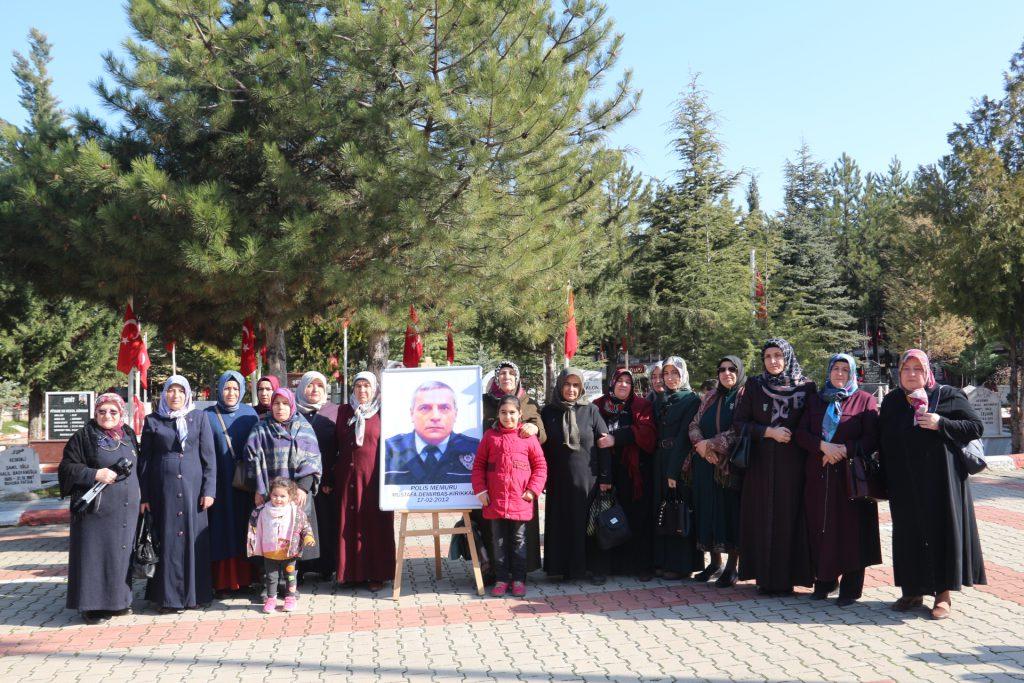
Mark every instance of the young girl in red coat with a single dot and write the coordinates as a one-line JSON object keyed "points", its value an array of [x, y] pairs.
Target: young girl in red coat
{"points": [[508, 474]]}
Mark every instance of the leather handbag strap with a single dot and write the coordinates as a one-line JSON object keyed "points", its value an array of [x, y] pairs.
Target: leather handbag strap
{"points": [[227, 437]]}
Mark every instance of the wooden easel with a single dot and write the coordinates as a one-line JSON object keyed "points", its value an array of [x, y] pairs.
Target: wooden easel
{"points": [[436, 532]]}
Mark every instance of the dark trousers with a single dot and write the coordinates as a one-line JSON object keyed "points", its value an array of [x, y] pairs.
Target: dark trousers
{"points": [[851, 585], [272, 574], [509, 538]]}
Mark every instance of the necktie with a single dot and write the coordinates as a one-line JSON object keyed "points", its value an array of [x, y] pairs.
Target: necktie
{"points": [[432, 454]]}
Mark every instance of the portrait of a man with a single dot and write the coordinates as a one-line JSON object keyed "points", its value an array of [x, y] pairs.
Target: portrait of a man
{"points": [[432, 453]]}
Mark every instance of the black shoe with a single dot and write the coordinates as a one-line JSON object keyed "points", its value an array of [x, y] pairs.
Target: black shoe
{"points": [[598, 579], [728, 579], [645, 576], [822, 591], [121, 612], [93, 617], [171, 610], [708, 572], [845, 602]]}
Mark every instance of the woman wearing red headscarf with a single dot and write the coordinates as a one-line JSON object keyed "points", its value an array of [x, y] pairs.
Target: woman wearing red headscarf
{"points": [[265, 388], [632, 438], [935, 544]]}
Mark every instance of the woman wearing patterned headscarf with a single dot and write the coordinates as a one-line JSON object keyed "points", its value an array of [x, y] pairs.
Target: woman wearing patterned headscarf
{"points": [[716, 484], [366, 539], [311, 398], [674, 556], [631, 437], [838, 422], [508, 381], [773, 529], [231, 420], [575, 464], [935, 545], [102, 536], [178, 475]]}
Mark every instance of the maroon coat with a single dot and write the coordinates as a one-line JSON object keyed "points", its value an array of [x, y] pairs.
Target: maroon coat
{"points": [[507, 466], [366, 535], [843, 534]]}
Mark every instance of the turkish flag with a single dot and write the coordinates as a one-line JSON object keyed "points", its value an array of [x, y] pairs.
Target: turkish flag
{"points": [[413, 350], [170, 346], [132, 351], [248, 348], [139, 418], [572, 340], [451, 345]]}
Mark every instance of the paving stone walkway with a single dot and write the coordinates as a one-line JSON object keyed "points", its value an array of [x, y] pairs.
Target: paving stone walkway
{"points": [[440, 630]]}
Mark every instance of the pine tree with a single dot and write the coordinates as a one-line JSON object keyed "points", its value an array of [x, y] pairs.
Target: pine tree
{"points": [[814, 309], [277, 158]]}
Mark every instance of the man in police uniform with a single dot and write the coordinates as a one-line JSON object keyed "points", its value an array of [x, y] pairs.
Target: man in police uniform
{"points": [[431, 453]]}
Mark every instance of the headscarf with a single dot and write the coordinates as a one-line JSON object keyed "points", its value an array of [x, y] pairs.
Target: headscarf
{"points": [[305, 407], [615, 405], [684, 374], [361, 412], [288, 396], [283, 449], [918, 397], [164, 410], [230, 376], [275, 383], [835, 397], [570, 429], [741, 375], [496, 391], [111, 436], [792, 374]]}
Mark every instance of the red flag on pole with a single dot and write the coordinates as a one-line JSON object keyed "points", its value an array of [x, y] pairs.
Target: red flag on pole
{"points": [[248, 348], [170, 346], [413, 350], [572, 340], [451, 344], [132, 351]]}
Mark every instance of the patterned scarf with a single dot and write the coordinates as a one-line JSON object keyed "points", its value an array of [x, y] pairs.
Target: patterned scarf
{"points": [[111, 437], [497, 392], [836, 397], [783, 388], [364, 411], [570, 429], [918, 397], [283, 449]]}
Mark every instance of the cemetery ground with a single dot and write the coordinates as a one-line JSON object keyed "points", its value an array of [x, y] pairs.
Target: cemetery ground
{"points": [[440, 630]]}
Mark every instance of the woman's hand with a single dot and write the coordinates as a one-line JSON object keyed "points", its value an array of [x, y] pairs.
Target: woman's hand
{"points": [[259, 499], [832, 452], [779, 434], [671, 483], [300, 498], [106, 476], [527, 430], [606, 441], [927, 421], [206, 502], [528, 496], [326, 490], [709, 454], [485, 498], [605, 487], [143, 507]]}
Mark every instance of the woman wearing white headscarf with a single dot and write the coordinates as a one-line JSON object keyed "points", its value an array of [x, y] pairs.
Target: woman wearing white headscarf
{"points": [[178, 478], [366, 538], [312, 400]]}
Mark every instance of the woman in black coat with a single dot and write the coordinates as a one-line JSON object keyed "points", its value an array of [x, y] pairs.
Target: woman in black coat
{"points": [[935, 544], [178, 475], [102, 536], [773, 528], [575, 464]]}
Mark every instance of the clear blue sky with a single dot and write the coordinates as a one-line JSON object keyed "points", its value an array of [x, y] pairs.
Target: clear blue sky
{"points": [[873, 79]]}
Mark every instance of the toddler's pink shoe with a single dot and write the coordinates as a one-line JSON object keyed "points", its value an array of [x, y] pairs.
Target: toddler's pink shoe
{"points": [[269, 605], [290, 603], [499, 589], [518, 589]]}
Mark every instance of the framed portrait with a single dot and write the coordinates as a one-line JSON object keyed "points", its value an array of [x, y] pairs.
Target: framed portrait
{"points": [[430, 428]]}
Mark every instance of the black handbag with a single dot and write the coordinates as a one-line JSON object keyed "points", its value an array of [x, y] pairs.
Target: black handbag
{"points": [[740, 455], [971, 456], [864, 479], [612, 527], [675, 517], [145, 555], [601, 502]]}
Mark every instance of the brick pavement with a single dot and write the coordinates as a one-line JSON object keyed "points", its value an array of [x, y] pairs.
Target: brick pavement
{"points": [[439, 630]]}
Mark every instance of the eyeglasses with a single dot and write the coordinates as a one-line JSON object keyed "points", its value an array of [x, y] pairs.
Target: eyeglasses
{"points": [[727, 368], [111, 411]]}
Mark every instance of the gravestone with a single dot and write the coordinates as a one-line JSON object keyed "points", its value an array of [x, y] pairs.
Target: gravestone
{"points": [[19, 470], [67, 412], [989, 408], [593, 383]]}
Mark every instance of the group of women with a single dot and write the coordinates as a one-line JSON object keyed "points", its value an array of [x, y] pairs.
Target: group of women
{"points": [[200, 474], [783, 520]]}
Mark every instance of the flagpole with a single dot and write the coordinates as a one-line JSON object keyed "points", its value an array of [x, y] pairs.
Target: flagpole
{"points": [[131, 380], [174, 358], [568, 296], [344, 361]]}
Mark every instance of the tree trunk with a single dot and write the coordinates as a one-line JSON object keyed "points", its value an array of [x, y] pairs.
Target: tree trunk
{"points": [[36, 397], [378, 353], [611, 363], [549, 370], [277, 353], [1015, 393]]}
